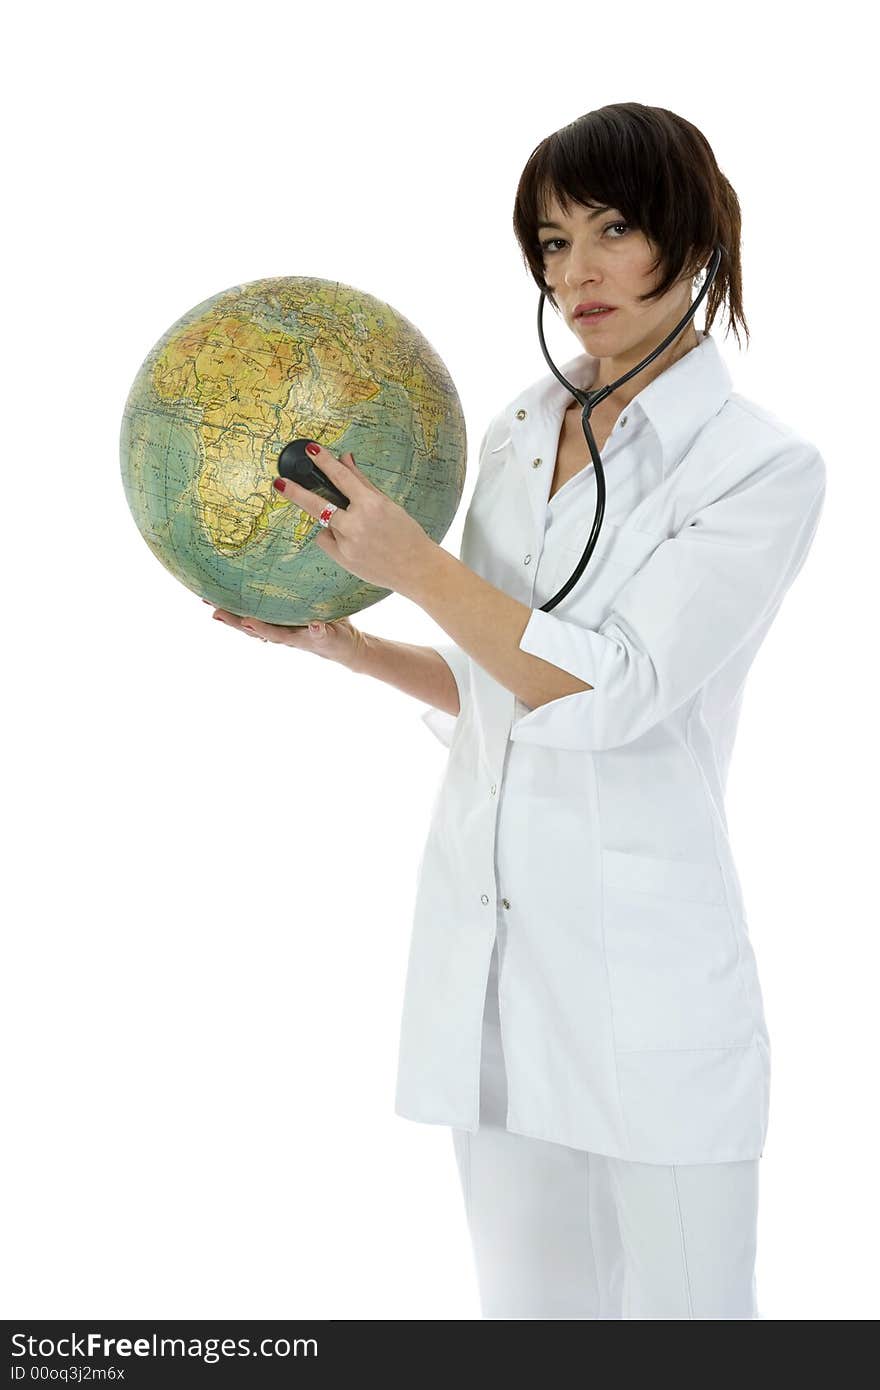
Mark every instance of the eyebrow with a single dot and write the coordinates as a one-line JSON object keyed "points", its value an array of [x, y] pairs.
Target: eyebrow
{"points": [[598, 213]]}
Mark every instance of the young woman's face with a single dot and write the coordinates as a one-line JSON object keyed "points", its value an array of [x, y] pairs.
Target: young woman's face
{"points": [[590, 254]]}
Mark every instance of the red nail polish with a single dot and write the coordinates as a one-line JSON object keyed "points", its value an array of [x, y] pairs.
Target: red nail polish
{"points": [[313, 449], [279, 483]]}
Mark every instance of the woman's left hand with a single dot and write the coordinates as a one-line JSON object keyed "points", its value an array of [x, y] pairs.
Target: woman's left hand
{"points": [[372, 537]]}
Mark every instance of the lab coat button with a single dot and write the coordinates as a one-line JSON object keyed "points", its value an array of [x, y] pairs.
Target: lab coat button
{"points": [[527, 560], [536, 463], [521, 414], [505, 902], [484, 899], [623, 420], [493, 788]]}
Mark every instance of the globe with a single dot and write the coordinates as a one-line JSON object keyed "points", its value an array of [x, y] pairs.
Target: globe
{"points": [[234, 380]]}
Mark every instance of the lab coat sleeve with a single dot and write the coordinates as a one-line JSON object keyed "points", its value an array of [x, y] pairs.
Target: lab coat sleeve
{"points": [[696, 600], [438, 720]]}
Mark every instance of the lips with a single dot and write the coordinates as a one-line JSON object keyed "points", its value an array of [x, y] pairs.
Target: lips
{"points": [[591, 304]]}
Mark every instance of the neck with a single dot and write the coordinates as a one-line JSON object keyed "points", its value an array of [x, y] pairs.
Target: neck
{"points": [[611, 369]]}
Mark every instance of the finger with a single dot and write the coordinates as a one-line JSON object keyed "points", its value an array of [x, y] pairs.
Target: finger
{"points": [[349, 460], [337, 471], [231, 620], [308, 502], [273, 632]]}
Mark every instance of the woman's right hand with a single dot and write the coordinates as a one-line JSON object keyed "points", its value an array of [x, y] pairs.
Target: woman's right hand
{"points": [[338, 641]]}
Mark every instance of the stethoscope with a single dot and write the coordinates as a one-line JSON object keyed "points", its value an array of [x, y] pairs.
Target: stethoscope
{"points": [[590, 399], [295, 463]]}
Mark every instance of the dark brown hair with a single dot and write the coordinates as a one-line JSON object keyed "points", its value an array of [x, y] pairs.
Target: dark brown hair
{"points": [[660, 172]]}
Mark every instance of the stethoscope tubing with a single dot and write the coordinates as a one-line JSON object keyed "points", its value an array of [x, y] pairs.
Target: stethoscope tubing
{"points": [[590, 399]]}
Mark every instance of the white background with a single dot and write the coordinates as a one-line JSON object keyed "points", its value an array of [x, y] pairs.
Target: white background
{"points": [[212, 843]]}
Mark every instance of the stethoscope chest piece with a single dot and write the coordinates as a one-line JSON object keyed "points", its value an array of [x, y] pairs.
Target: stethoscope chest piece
{"points": [[294, 463]]}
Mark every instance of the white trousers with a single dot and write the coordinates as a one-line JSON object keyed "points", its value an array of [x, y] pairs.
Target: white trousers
{"points": [[558, 1232]]}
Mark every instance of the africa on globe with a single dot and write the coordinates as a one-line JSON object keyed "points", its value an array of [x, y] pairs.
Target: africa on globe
{"points": [[233, 381]]}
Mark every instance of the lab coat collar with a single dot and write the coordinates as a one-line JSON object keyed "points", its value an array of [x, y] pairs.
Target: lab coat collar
{"points": [[677, 403]]}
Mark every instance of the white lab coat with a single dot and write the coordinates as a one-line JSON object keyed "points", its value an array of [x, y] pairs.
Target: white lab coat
{"points": [[594, 825]]}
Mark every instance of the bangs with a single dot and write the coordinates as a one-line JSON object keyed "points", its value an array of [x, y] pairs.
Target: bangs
{"points": [[654, 168]]}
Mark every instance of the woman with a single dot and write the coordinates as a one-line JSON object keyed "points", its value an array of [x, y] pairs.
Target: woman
{"points": [[582, 1004]]}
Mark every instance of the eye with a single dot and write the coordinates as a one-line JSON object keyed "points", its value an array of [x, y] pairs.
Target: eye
{"points": [[545, 245]]}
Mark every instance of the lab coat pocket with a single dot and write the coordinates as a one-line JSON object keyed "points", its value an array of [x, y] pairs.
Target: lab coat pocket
{"points": [[620, 552], [673, 955]]}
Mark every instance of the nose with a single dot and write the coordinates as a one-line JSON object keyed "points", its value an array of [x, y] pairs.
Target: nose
{"points": [[579, 276], [577, 281]]}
